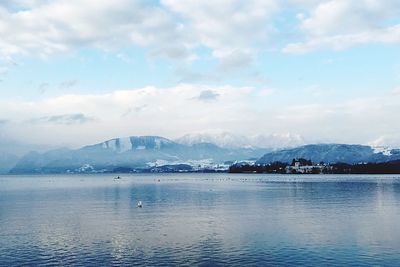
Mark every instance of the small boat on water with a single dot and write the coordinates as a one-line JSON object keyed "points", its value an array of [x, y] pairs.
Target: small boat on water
{"points": [[139, 204], [117, 178]]}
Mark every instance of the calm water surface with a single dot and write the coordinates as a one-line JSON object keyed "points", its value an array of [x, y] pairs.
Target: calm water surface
{"points": [[200, 219]]}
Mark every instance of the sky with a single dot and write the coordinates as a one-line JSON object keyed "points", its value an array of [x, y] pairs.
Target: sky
{"points": [[75, 72]]}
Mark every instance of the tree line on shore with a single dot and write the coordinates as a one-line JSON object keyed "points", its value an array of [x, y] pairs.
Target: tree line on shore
{"points": [[300, 166]]}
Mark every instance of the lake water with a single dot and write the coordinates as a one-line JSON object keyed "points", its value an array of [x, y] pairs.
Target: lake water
{"points": [[200, 219]]}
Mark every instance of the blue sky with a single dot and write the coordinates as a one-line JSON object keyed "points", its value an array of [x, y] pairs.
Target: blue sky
{"points": [[76, 72]]}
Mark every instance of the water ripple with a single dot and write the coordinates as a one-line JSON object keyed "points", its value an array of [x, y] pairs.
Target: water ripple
{"points": [[200, 220]]}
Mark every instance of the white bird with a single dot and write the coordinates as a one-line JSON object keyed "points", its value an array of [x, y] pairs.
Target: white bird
{"points": [[139, 204]]}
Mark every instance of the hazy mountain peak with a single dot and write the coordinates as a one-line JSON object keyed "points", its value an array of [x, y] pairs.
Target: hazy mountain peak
{"points": [[230, 140], [130, 152], [222, 139], [278, 140]]}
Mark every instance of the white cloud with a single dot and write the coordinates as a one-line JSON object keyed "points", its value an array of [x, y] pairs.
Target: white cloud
{"points": [[65, 25], [265, 92], [337, 17], [67, 119], [389, 140], [79, 119], [341, 24], [396, 91], [231, 28], [318, 91], [6, 63], [236, 60], [161, 111], [357, 120], [207, 95], [390, 35], [67, 84]]}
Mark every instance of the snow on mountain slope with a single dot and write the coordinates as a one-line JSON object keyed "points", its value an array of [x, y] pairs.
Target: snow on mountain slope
{"points": [[134, 151], [331, 153], [121, 145], [387, 151]]}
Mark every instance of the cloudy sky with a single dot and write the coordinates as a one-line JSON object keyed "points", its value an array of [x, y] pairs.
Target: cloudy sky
{"points": [[74, 72]]}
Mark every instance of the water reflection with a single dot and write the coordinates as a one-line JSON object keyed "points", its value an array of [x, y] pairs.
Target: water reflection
{"points": [[200, 220]]}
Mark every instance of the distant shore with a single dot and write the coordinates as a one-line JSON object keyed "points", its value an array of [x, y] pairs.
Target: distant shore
{"points": [[303, 166]]}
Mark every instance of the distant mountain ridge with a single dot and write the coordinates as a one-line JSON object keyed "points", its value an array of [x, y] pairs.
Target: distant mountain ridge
{"points": [[229, 140], [131, 152], [139, 153], [332, 153], [121, 145], [7, 161]]}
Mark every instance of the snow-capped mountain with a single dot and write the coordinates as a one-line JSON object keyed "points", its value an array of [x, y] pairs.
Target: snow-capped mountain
{"points": [[129, 152], [382, 149], [332, 153], [229, 140], [141, 152], [132, 143], [221, 139]]}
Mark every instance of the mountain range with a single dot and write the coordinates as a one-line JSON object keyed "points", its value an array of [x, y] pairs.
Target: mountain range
{"points": [[189, 153], [332, 153], [7, 161], [135, 152], [229, 140]]}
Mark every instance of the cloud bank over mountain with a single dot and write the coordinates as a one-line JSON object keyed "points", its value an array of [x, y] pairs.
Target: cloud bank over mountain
{"points": [[175, 111], [80, 71]]}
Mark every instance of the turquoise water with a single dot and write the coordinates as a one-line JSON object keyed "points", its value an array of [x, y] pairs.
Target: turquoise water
{"points": [[200, 219]]}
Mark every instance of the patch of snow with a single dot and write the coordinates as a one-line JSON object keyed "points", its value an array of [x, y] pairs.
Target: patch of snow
{"points": [[112, 144], [125, 144], [85, 168], [158, 143], [196, 164], [382, 149], [158, 162], [248, 162]]}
